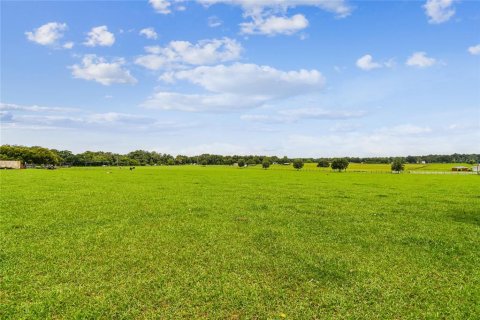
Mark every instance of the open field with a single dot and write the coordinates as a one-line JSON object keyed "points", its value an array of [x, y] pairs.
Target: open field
{"points": [[227, 243]]}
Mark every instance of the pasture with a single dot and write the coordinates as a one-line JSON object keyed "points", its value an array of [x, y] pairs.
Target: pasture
{"points": [[227, 243]]}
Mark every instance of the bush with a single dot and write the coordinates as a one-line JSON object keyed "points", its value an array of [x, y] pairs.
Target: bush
{"points": [[298, 164], [241, 163], [398, 166], [323, 164], [340, 164], [265, 164]]}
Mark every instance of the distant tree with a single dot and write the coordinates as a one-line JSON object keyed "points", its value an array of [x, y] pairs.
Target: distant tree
{"points": [[340, 164], [241, 163], [471, 161], [265, 163], [323, 164], [298, 164], [411, 159], [398, 165], [203, 162], [251, 162]]}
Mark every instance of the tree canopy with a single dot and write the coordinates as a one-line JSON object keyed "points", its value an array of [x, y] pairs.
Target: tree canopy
{"points": [[298, 164], [340, 164]]}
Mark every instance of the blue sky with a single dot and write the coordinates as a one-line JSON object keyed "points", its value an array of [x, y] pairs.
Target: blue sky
{"points": [[276, 77]]}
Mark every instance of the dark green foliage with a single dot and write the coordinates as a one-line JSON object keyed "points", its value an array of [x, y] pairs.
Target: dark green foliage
{"points": [[265, 163], [241, 163], [323, 164], [398, 165], [39, 156], [298, 164], [340, 164]]}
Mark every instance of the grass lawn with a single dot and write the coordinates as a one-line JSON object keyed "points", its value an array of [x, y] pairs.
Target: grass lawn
{"points": [[227, 243]]}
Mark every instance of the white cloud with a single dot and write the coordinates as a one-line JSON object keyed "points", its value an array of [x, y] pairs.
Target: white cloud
{"points": [[269, 17], [252, 79], [273, 25], [99, 70], [68, 45], [47, 34], [475, 50], [201, 102], [420, 60], [100, 36], [33, 108], [214, 22], [183, 52], [366, 63], [234, 87], [405, 129], [251, 7], [439, 11], [149, 33], [161, 6], [295, 115]]}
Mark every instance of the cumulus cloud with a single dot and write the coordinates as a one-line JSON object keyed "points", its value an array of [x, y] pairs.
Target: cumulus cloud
{"points": [[420, 60], [234, 87], [475, 50], [273, 25], [439, 11], [184, 52], [161, 6], [149, 33], [100, 70], [47, 34], [269, 17], [366, 63], [252, 79], [99, 36], [339, 7]]}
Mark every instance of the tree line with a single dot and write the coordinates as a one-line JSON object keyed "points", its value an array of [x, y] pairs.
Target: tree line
{"points": [[43, 156]]}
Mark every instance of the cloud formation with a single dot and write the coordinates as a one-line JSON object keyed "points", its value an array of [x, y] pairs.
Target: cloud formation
{"points": [[99, 36], [161, 6], [273, 25], [295, 115], [439, 11], [234, 87], [366, 63], [474, 50], [420, 60], [149, 33], [269, 17], [98, 69], [204, 52], [49, 34]]}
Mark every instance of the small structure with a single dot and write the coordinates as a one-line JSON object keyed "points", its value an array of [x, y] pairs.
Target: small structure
{"points": [[11, 164], [476, 168], [460, 168]]}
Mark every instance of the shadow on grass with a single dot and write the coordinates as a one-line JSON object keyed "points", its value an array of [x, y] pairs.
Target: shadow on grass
{"points": [[469, 217]]}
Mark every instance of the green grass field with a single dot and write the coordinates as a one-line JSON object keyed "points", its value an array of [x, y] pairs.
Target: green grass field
{"points": [[227, 243]]}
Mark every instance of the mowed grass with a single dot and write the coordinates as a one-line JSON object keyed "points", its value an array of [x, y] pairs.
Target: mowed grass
{"points": [[227, 243]]}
